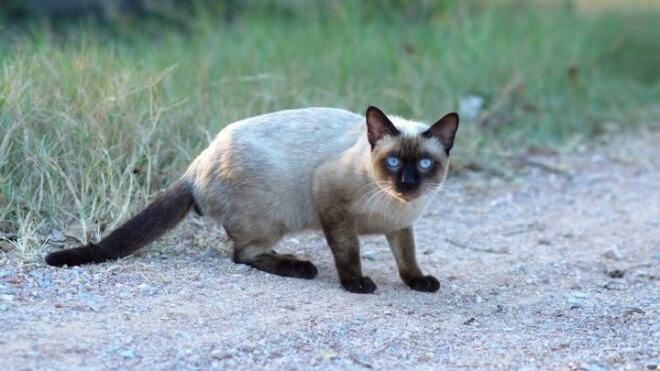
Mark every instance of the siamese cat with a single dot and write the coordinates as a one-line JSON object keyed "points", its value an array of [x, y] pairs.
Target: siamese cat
{"points": [[313, 168]]}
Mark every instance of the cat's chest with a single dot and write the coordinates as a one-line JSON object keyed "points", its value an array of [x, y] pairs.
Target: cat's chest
{"points": [[388, 217]]}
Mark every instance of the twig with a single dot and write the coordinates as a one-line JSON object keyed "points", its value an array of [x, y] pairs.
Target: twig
{"points": [[524, 228], [463, 246], [619, 273], [497, 309], [361, 363], [506, 95], [545, 167], [644, 265]]}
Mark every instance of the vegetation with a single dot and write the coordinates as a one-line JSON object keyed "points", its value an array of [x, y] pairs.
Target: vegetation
{"points": [[97, 117]]}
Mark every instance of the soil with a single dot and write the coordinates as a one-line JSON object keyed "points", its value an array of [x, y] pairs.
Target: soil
{"points": [[555, 268]]}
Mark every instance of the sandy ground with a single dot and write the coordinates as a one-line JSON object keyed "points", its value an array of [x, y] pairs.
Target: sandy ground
{"points": [[556, 269]]}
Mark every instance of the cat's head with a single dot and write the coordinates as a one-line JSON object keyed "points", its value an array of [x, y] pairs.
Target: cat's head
{"points": [[409, 159]]}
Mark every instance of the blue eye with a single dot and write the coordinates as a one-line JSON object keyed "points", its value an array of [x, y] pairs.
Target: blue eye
{"points": [[425, 163], [393, 162]]}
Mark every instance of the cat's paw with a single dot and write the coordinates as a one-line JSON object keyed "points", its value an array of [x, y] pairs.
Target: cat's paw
{"points": [[362, 285], [424, 283], [297, 268]]}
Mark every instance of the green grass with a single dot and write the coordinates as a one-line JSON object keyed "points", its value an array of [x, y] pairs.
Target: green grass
{"points": [[94, 121]]}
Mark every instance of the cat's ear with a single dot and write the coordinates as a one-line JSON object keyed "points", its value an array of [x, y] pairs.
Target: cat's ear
{"points": [[444, 131], [378, 126]]}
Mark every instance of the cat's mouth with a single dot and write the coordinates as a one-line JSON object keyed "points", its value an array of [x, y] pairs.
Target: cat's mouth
{"points": [[406, 196]]}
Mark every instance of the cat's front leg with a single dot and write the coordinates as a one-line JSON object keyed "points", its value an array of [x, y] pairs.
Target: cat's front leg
{"points": [[402, 244], [341, 233]]}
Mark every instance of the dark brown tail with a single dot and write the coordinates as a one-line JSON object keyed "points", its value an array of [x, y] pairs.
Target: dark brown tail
{"points": [[162, 214]]}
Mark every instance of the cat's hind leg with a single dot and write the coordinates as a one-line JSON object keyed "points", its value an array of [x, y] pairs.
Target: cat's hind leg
{"points": [[259, 254]]}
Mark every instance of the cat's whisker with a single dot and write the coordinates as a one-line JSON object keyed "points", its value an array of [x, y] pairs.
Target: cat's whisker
{"points": [[376, 201], [383, 196], [432, 189], [389, 199], [435, 191], [371, 185], [374, 194], [374, 186], [377, 187]]}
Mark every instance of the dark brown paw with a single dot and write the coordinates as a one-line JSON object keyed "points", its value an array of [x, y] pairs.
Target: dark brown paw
{"points": [[424, 283], [297, 268], [362, 285]]}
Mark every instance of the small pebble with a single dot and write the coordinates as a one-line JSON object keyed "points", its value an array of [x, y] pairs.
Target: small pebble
{"points": [[36, 274], [359, 320], [595, 367], [518, 268], [184, 335], [425, 357], [575, 304], [57, 236], [220, 354], [613, 253], [147, 290], [7, 297], [370, 255], [616, 273], [127, 353], [653, 364], [241, 268], [328, 355]]}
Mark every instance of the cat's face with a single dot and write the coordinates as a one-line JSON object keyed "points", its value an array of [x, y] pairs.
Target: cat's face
{"points": [[409, 162]]}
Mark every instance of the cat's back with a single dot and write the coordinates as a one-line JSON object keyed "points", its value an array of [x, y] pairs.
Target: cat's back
{"points": [[281, 145], [291, 140], [313, 129]]}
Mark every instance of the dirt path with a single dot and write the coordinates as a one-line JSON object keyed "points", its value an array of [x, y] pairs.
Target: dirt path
{"points": [[558, 269]]}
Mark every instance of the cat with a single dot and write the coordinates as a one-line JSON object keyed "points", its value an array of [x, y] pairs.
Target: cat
{"points": [[314, 168]]}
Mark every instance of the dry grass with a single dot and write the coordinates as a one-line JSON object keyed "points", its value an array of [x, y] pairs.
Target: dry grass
{"points": [[92, 125]]}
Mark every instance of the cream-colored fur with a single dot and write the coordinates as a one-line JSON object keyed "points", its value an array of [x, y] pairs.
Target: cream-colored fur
{"points": [[264, 176]]}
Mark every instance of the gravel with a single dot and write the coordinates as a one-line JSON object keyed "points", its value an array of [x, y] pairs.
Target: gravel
{"points": [[525, 266]]}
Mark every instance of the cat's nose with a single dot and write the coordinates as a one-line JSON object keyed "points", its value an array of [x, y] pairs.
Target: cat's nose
{"points": [[408, 177], [407, 182]]}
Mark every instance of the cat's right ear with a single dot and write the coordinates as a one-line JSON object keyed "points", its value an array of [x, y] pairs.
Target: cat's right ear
{"points": [[378, 126]]}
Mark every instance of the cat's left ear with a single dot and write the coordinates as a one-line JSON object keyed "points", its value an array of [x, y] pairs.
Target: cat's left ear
{"points": [[444, 130]]}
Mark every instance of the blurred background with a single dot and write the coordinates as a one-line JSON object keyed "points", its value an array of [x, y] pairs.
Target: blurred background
{"points": [[104, 102]]}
